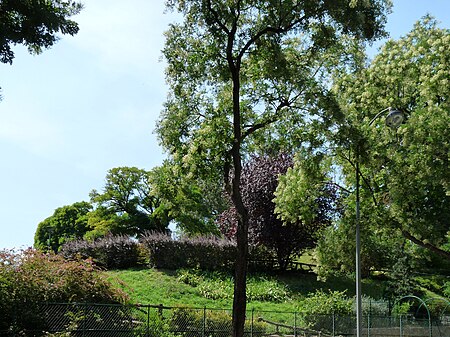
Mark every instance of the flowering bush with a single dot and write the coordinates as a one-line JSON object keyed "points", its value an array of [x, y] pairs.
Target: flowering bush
{"points": [[29, 278]]}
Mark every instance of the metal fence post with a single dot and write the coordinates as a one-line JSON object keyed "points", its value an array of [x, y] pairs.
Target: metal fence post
{"points": [[204, 322], [333, 322], [84, 318], [401, 327], [430, 324], [251, 323], [148, 320], [368, 318], [295, 323]]}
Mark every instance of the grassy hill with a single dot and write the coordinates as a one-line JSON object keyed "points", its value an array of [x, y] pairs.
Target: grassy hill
{"points": [[215, 290]]}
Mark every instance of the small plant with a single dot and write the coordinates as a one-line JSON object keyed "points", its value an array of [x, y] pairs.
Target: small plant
{"points": [[401, 309], [266, 289], [188, 277]]}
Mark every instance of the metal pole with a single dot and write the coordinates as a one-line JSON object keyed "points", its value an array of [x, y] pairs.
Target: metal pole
{"points": [[204, 322], [251, 325], [148, 321], [358, 253], [295, 324]]}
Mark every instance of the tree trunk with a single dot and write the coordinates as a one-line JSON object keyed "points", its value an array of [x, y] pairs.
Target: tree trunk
{"points": [[240, 277], [240, 281]]}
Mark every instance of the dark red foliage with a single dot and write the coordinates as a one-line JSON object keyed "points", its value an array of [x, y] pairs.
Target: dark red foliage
{"points": [[258, 182]]}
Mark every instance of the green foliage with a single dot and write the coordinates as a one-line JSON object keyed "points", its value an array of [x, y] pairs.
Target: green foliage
{"points": [[401, 281], [214, 285], [267, 289], [29, 278], [67, 223], [128, 198], [35, 24], [325, 303], [192, 204], [336, 247], [300, 189], [447, 289], [433, 283], [401, 309], [404, 172]]}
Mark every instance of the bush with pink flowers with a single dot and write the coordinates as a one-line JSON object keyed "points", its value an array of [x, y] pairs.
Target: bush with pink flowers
{"points": [[30, 278]]}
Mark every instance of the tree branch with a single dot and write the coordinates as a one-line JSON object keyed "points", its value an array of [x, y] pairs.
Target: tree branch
{"points": [[216, 18], [426, 245], [365, 180], [284, 103]]}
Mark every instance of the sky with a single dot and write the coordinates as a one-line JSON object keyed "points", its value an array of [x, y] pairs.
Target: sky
{"points": [[91, 103]]}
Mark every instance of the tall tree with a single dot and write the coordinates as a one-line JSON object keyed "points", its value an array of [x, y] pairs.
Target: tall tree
{"points": [[67, 223], [189, 202], [405, 175], [127, 196], [237, 67]]}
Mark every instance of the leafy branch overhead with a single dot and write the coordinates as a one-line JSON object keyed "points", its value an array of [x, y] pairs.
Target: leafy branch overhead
{"points": [[35, 24], [405, 171]]}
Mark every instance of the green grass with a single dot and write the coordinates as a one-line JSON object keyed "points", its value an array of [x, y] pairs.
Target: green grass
{"points": [[215, 290]]}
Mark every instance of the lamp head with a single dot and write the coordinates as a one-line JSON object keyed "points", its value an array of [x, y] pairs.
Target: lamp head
{"points": [[394, 118]]}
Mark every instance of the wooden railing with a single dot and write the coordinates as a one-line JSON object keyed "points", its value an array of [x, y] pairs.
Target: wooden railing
{"points": [[272, 264]]}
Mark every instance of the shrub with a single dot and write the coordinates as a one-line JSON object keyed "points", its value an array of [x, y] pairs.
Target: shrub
{"points": [[29, 278], [164, 252], [110, 252], [206, 253], [318, 307], [323, 303]]}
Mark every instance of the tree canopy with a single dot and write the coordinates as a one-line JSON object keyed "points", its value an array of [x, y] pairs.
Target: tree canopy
{"points": [[35, 24], [235, 68], [261, 177], [127, 197], [67, 223], [405, 175], [191, 203]]}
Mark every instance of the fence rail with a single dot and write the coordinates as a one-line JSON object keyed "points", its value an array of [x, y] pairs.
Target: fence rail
{"points": [[101, 320]]}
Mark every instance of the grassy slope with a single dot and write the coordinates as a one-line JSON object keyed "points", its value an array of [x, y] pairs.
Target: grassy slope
{"points": [[150, 286]]}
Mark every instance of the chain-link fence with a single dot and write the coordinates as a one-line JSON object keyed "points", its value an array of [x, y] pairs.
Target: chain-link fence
{"points": [[98, 320]]}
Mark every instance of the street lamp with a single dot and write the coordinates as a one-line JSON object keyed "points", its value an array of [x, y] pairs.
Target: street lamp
{"points": [[393, 120]]}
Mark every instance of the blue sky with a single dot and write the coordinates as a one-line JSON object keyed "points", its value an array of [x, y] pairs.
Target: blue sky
{"points": [[90, 103]]}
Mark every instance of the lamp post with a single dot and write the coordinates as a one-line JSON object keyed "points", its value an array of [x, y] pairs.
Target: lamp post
{"points": [[393, 120]]}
